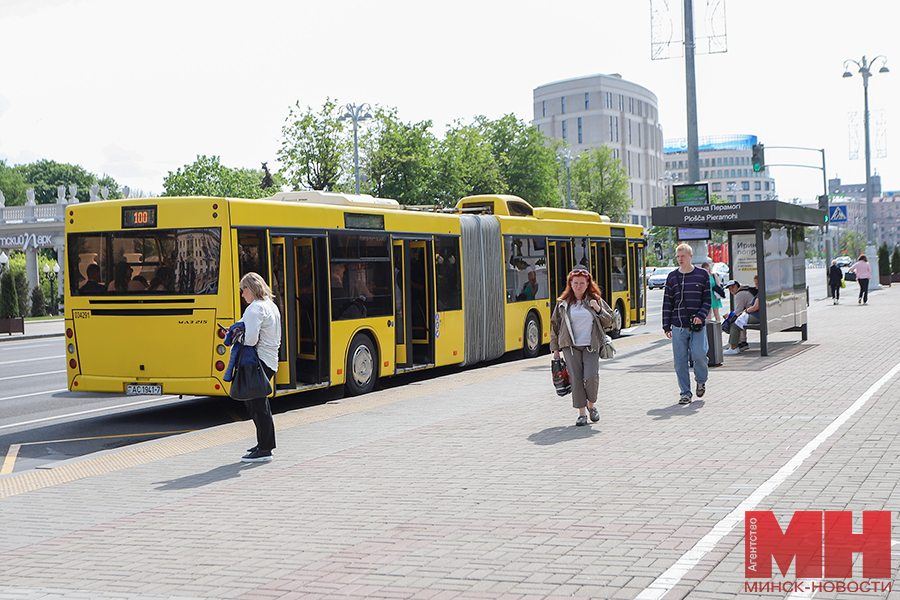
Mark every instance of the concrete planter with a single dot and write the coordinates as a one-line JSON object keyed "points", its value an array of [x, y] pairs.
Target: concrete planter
{"points": [[13, 325]]}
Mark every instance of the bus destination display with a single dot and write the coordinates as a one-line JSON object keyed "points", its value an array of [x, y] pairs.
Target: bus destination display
{"points": [[135, 217]]}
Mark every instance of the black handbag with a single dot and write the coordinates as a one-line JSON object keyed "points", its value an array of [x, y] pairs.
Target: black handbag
{"points": [[561, 380], [849, 276], [250, 381]]}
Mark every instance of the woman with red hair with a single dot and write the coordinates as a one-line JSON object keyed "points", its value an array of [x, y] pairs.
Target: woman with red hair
{"points": [[576, 329]]}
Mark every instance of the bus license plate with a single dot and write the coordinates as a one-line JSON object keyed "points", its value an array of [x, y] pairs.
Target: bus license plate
{"points": [[143, 389]]}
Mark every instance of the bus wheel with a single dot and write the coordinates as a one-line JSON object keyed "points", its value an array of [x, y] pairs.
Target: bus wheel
{"points": [[616, 330], [361, 362], [532, 337]]}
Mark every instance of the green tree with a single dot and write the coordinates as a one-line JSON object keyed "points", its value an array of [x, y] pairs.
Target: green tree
{"points": [[884, 260], [526, 159], [852, 243], [9, 301], [895, 261], [208, 177], [38, 304], [45, 176], [600, 184], [12, 184], [21, 285], [399, 159], [465, 166], [312, 147]]}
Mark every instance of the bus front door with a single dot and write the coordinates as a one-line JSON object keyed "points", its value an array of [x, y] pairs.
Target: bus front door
{"points": [[309, 317], [414, 310]]}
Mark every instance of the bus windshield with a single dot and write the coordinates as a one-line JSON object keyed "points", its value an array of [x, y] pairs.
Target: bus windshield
{"points": [[167, 261]]}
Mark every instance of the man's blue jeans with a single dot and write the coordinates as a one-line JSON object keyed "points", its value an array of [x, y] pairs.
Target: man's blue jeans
{"points": [[682, 337]]}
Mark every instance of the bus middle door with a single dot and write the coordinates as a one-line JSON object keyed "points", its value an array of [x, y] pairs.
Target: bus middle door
{"points": [[559, 259], [311, 310], [414, 303]]}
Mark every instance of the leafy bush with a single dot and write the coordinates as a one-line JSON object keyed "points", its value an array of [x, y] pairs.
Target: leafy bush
{"points": [[895, 261], [884, 261], [37, 302], [9, 303], [21, 283]]}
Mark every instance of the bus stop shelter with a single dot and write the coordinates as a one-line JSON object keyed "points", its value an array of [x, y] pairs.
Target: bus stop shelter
{"points": [[764, 239]]}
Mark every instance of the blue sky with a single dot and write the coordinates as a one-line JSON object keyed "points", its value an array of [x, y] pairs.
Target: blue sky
{"points": [[137, 88]]}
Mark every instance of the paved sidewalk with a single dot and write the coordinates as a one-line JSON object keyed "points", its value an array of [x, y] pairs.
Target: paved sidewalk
{"points": [[38, 329], [478, 484]]}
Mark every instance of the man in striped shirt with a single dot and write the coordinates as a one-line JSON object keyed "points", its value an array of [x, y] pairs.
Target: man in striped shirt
{"points": [[686, 301]]}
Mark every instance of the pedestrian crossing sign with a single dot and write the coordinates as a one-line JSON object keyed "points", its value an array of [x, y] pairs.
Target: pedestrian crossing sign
{"points": [[838, 214]]}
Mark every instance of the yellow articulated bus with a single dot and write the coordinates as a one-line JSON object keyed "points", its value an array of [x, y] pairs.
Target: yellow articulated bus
{"points": [[367, 288]]}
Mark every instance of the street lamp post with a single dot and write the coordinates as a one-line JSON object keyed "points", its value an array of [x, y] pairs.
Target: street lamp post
{"points": [[565, 157], [355, 114], [864, 70], [52, 274]]}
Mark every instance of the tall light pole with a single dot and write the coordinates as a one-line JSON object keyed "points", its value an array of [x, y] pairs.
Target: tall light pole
{"points": [[864, 70], [356, 113], [668, 178], [566, 158], [52, 275]]}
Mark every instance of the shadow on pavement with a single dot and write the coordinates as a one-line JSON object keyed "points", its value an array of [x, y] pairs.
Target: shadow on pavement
{"points": [[222, 473], [555, 435], [676, 410]]}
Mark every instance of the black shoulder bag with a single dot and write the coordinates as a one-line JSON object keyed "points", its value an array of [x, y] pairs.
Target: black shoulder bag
{"points": [[250, 381]]}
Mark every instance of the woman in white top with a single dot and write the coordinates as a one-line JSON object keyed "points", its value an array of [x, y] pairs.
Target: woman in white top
{"points": [[262, 323], [576, 330]]}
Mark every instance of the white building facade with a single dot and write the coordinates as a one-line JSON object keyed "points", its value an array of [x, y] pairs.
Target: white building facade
{"points": [[725, 162], [606, 110]]}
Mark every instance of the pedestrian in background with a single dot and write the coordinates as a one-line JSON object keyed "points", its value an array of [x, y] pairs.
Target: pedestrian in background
{"points": [[713, 282], [262, 323], [835, 277], [576, 329], [863, 271], [686, 302]]}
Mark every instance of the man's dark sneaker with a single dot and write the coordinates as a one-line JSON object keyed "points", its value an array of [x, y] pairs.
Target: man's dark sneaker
{"points": [[582, 420], [701, 389], [743, 346], [257, 456], [251, 450], [684, 400], [595, 414]]}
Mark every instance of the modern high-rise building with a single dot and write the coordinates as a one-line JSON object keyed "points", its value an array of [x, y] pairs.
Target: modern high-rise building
{"points": [[606, 110], [725, 162]]}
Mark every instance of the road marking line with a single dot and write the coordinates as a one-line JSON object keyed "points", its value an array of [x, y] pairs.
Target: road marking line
{"points": [[34, 394], [10, 459], [14, 362], [674, 574], [84, 412], [33, 375]]}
